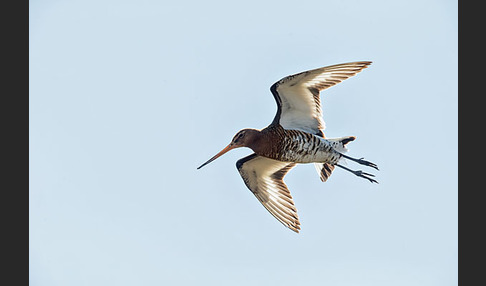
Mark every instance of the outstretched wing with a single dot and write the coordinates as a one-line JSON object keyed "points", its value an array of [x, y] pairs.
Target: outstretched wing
{"points": [[264, 177], [297, 96]]}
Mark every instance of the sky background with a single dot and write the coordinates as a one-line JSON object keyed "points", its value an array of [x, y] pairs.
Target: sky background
{"points": [[128, 98]]}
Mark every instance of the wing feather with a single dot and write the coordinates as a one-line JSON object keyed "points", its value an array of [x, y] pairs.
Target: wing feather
{"points": [[264, 178], [298, 95]]}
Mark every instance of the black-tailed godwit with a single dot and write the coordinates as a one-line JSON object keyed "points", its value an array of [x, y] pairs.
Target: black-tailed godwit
{"points": [[294, 136]]}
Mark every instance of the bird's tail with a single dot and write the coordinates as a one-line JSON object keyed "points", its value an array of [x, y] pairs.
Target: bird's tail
{"points": [[325, 169]]}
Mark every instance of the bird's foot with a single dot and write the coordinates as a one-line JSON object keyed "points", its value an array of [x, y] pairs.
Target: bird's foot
{"points": [[360, 173], [367, 176], [362, 162], [367, 163]]}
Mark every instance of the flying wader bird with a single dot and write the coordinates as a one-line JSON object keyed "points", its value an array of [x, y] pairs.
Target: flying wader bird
{"points": [[294, 136]]}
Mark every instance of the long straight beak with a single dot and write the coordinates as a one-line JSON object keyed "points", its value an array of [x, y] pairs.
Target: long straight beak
{"points": [[226, 149]]}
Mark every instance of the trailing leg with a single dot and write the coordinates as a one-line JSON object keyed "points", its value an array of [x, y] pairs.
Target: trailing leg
{"points": [[361, 161], [360, 173]]}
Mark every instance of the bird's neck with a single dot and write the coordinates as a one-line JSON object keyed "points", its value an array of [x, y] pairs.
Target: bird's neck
{"points": [[263, 142]]}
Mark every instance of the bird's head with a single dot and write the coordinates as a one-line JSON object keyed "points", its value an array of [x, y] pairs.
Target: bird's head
{"points": [[244, 138]]}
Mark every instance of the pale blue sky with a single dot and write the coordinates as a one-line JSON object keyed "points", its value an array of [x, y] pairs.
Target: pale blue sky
{"points": [[127, 98]]}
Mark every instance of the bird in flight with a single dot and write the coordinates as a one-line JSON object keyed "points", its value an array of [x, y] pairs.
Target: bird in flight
{"points": [[295, 136]]}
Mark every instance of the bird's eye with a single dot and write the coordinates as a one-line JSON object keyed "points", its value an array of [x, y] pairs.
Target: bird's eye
{"points": [[239, 136]]}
